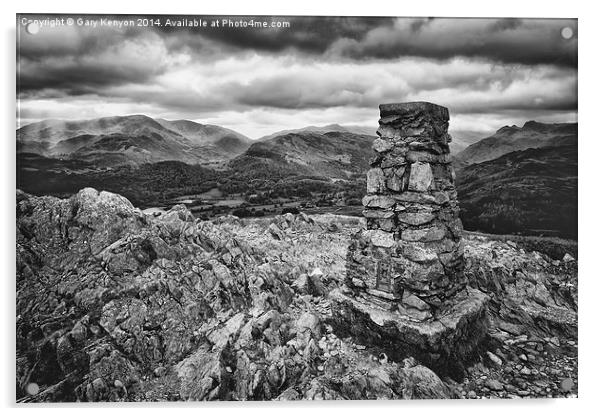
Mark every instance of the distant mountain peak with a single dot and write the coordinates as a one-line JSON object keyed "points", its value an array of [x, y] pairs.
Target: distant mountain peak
{"points": [[327, 153], [333, 127], [533, 134], [508, 129], [535, 125]]}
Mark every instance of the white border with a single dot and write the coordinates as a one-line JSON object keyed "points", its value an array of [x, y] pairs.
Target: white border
{"points": [[589, 194]]}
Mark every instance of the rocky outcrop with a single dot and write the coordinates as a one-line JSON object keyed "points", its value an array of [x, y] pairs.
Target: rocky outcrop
{"points": [[116, 305]]}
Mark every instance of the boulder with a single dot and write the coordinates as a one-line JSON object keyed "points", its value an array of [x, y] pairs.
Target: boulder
{"points": [[568, 258]]}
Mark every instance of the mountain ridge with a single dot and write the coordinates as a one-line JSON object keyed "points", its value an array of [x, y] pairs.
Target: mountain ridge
{"points": [[331, 154], [182, 140], [531, 191], [333, 127], [508, 139]]}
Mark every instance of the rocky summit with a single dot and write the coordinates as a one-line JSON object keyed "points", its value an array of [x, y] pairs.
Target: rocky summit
{"points": [[117, 305]]}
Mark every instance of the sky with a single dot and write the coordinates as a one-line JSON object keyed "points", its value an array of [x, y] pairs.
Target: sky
{"points": [[317, 71]]}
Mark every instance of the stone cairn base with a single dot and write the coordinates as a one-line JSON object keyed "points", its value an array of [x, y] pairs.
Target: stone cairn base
{"points": [[405, 272]]}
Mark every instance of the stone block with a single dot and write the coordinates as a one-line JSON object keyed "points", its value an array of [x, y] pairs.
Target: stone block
{"points": [[392, 119], [379, 238], [423, 156], [380, 145], [415, 218], [421, 177], [386, 224], [375, 181], [388, 132], [412, 301], [378, 213], [391, 161], [383, 294], [442, 341], [424, 109], [441, 198], [435, 233], [418, 253], [414, 198], [378, 201], [433, 147], [394, 181]]}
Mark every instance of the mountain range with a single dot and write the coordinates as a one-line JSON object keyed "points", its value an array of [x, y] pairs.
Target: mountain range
{"points": [[138, 139], [520, 179], [131, 140], [512, 138], [333, 154], [461, 138], [361, 130]]}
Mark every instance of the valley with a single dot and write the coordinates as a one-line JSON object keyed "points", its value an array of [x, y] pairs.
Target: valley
{"points": [[503, 187]]}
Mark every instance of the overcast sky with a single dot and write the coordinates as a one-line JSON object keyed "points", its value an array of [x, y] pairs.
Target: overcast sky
{"points": [[488, 72]]}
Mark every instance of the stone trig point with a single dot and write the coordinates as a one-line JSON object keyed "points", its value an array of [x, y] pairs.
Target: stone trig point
{"points": [[405, 271]]}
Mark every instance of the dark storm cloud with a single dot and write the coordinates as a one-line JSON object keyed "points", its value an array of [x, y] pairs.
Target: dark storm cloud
{"points": [[329, 69], [77, 78], [76, 61], [471, 86], [306, 34], [70, 42], [528, 41], [464, 86], [507, 40]]}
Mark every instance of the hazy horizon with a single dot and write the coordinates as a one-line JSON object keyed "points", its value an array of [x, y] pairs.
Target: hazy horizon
{"points": [[453, 132]]}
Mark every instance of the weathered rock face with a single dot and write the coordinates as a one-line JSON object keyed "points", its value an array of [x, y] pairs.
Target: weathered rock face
{"points": [[406, 270], [115, 305], [169, 307]]}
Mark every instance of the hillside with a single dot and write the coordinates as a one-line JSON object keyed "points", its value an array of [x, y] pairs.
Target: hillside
{"points": [[148, 184], [531, 192], [137, 139], [512, 138], [332, 154], [361, 130], [164, 183], [203, 134], [117, 305]]}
